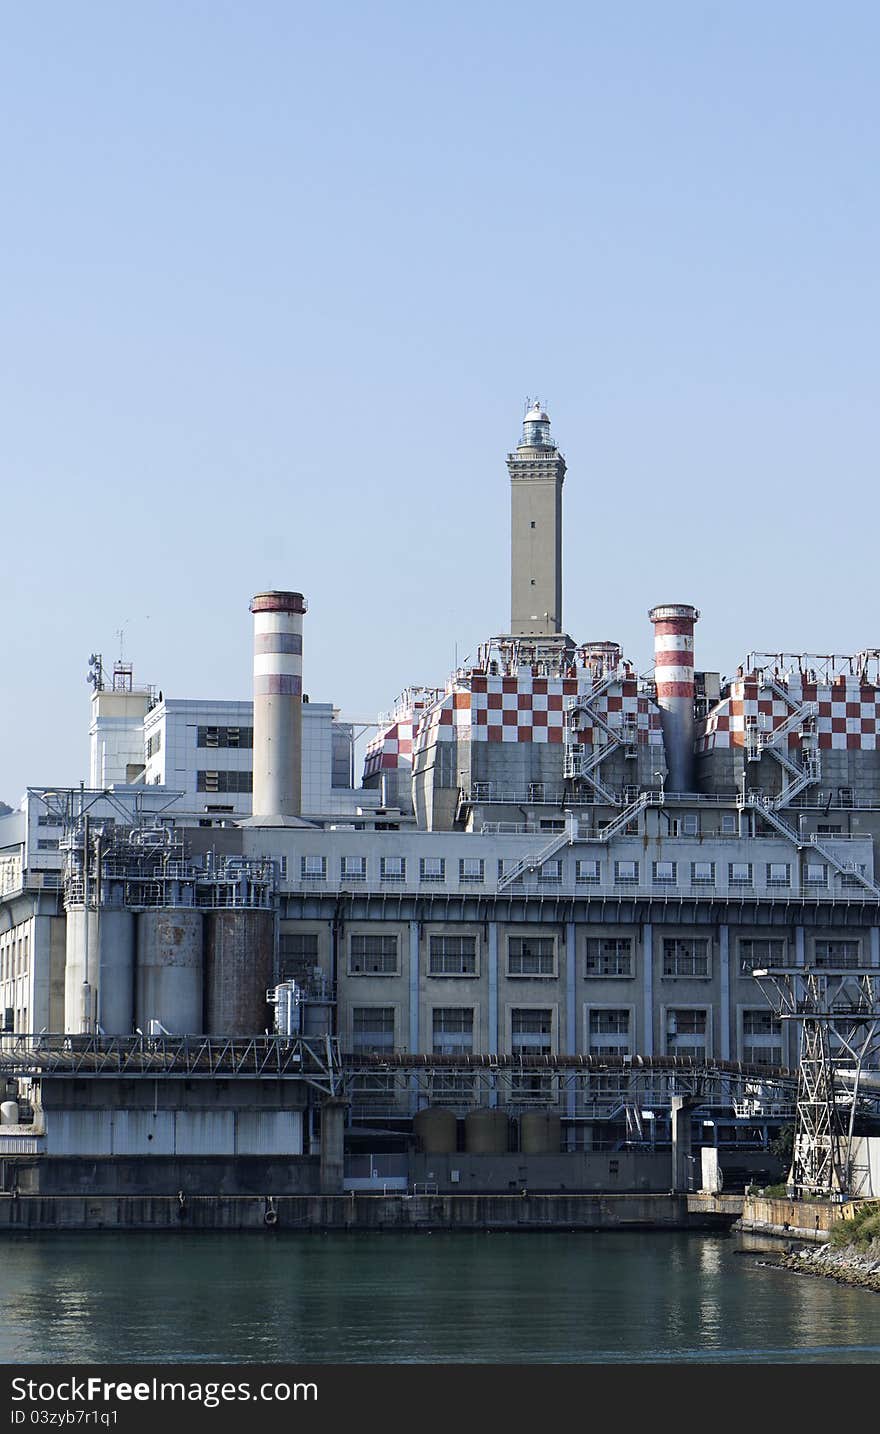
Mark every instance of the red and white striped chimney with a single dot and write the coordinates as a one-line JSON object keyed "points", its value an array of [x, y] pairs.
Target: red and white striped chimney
{"points": [[278, 624], [674, 676]]}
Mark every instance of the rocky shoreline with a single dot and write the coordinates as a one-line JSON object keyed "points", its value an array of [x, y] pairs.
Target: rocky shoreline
{"points": [[848, 1265]]}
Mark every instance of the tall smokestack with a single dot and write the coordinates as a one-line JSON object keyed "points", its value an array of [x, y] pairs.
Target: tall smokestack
{"points": [[278, 703], [674, 676]]}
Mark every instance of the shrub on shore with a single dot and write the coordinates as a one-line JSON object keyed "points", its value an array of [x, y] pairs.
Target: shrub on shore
{"points": [[860, 1231]]}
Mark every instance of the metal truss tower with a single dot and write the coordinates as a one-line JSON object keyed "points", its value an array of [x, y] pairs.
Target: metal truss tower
{"points": [[839, 1016]]}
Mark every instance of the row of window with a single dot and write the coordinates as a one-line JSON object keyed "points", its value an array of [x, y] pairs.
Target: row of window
{"points": [[378, 954], [224, 781], [225, 737], [609, 1031], [588, 872]]}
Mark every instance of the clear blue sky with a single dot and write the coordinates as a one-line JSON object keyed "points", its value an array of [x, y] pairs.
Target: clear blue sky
{"points": [[276, 279]]}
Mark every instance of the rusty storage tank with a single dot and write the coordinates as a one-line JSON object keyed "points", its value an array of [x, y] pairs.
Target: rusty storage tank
{"points": [[485, 1132], [116, 963], [540, 1132], [169, 979], [240, 950], [437, 1130]]}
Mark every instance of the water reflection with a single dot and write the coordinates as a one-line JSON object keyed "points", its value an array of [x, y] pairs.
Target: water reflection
{"points": [[543, 1298]]}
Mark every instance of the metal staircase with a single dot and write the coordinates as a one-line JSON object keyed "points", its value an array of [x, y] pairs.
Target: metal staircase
{"points": [[533, 863], [796, 775], [767, 808], [580, 762]]}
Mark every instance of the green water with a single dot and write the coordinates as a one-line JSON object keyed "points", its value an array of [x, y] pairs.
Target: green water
{"points": [[538, 1298]]}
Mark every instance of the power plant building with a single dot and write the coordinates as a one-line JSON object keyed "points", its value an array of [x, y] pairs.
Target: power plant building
{"points": [[554, 867]]}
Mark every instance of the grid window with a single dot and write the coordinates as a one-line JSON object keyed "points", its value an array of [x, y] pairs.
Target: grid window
{"points": [[626, 872], [313, 868], [754, 1055], [224, 737], [453, 1030], [702, 873], [664, 873], [354, 868], [838, 955], [690, 824], [728, 823], [588, 872], [531, 956], [298, 954], [471, 869], [739, 873], [758, 953], [609, 956], [392, 868], [815, 874], [531, 1031], [452, 956], [224, 781], [760, 1022], [432, 868], [687, 1032], [372, 1029], [373, 955], [778, 873], [47, 844], [685, 956], [551, 871], [609, 1031]]}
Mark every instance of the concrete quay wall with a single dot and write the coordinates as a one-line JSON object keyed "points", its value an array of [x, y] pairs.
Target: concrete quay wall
{"points": [[356, 1211]]}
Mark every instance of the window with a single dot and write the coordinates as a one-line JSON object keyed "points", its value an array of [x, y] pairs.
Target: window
{"points": [[687, 1033], [606, 1027], [761, 1037], [728, 824], [739, 873], [845, 796], [432, 868], [815, 874], [609, 956], [223, 737], [551, 871], [224, 781], [588, 872], [824, 829], [48, 819], [685, 956], [546, 824], [47, 844], [471, 869], [373, 955], [759, 953], [702, 873], [452, 956], [154, 744], [531, 956], [690, 824], [531, 1031], [663, 873], [313, 868], [298, 954], [453, 1030], [778, 873], [838, 955], [626, 872], [353, 868], [372, 1029], [392, 868]]}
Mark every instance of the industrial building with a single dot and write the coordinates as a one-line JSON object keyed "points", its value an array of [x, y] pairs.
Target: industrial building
{"points": [[530, 933]]}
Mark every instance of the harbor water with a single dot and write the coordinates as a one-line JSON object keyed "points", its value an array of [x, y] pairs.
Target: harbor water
{"points": [[419, 1298]]}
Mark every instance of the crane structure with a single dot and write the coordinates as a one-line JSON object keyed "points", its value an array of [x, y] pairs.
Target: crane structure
{"points": [[839, 1016]]}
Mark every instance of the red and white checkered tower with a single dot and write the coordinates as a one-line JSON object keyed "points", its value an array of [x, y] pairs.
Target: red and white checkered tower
{"points": [[674, 676], [278, 623]]}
